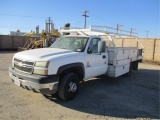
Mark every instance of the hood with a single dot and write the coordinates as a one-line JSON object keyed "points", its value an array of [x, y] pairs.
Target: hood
{"points": [[44, 54]]}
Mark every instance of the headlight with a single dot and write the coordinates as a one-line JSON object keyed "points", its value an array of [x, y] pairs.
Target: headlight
{"points": [[41, 68], [42, 64], [40, 71]]}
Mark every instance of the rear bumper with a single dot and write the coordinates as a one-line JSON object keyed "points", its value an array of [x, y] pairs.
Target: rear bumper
{"points": [[44, 84]]}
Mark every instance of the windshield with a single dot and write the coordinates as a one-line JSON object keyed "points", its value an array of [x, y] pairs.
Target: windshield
{"points": [[76, 44]]}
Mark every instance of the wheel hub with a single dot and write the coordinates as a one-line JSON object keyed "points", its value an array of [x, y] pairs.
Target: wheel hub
{"points": [[72, 87]]}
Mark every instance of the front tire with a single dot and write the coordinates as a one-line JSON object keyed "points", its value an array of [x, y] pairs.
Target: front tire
{"points": [[68, 86]]}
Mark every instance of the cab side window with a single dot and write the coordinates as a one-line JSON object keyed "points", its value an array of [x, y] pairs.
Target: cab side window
{"points": [[94, 45]]}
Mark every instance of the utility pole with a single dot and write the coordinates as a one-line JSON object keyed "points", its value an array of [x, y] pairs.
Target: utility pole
{"points": [[85, 15], [147, 33], [132, 30], [118, 26]]}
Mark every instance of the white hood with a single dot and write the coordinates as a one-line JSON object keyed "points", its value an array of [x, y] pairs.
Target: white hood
{"points": [[44, 54]]}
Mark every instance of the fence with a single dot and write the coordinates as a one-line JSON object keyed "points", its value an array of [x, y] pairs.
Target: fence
{"points": [[13, 42]]}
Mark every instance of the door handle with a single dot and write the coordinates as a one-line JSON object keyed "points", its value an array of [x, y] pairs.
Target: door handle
{"points": [[103, 56]]}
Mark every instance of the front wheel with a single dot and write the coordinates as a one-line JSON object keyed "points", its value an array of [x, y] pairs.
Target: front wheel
{"points": [[68, 86]]}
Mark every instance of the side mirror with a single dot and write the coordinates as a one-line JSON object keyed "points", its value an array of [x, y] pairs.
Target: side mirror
{"points": [[101, 46], [89, 51]]}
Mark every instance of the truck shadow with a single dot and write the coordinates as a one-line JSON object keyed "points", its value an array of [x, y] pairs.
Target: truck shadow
{"points": [[123, 97]]}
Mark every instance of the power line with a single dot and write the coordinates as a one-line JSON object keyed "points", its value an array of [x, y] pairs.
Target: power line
{"points": [[22, 16], [60, 22]]}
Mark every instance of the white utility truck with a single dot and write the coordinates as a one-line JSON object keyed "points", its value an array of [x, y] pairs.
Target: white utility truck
{"points": [[83, 54]]}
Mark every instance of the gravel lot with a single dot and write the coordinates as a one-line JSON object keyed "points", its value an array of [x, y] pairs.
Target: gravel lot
{"points": [[135, 97]]}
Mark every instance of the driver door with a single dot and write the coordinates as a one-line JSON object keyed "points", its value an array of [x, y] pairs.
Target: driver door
{"points": [[96, 63]]}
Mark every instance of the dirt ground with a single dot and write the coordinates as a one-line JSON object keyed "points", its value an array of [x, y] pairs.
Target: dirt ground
{"points": [[135, 97]]}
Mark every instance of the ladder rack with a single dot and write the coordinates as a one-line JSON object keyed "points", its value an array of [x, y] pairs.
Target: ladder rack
{"points": [[110, 32], [100, 30]]}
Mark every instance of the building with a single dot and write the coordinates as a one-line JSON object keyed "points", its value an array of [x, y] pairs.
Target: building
{"points": [[16, 33]]}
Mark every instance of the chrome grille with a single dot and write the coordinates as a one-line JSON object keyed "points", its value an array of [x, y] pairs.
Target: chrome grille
{"points": [[23, 62], [22, 65]]}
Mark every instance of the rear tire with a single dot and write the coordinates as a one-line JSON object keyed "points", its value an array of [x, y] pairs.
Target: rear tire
{"points": [[68, 86]]}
